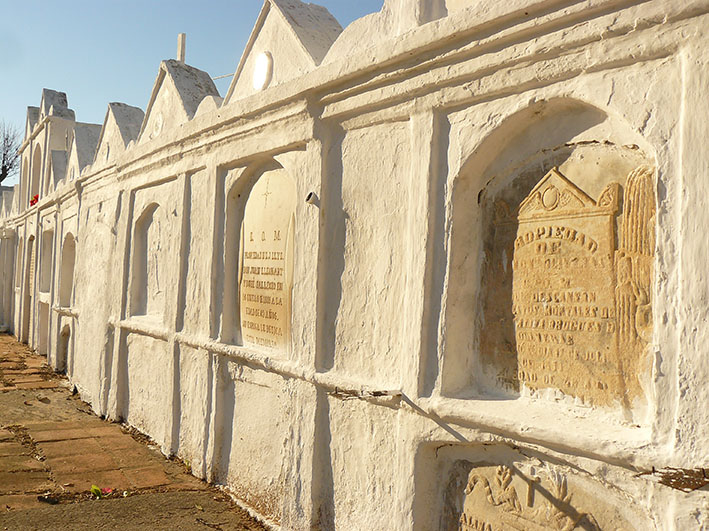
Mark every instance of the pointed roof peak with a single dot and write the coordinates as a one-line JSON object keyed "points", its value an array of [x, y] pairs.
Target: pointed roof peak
{"points": [[128, 119], [313, 24], [312, 29], [191, 86], [85, 143]]}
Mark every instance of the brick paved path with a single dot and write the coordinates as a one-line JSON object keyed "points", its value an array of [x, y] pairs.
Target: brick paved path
{"points": [[53, 449]]}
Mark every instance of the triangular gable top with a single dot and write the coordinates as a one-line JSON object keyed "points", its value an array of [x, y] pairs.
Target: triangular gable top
{"points": [[32, 119], [554, 194], [314, 26], [55, 103], [176, 95], [312, 31], [121, 125], [58, 162], [7, 197], [52, 98], [128, 119], [83, 148]]}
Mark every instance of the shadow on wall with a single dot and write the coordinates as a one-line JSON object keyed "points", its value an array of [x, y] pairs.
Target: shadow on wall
{"points": [[332, 251]]}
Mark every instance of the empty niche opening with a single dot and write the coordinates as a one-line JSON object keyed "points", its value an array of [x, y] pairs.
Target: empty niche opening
{"points": [[148, 264], [24, 177], [43, 328], [18, 265], [28, 290], [551, 290], [259, 258], [45, 273], [66, 273], [36, 171]]}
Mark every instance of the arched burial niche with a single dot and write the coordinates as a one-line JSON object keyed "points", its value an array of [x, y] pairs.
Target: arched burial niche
{"points": [[551, 260], [66, 273], [24, 177], [45, 272], [28, 291], [36, 172], [18, 264], [259, 258], [148, 275]]}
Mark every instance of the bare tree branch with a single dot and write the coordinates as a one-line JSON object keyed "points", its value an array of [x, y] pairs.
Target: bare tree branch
{"points": [[10, 141]]}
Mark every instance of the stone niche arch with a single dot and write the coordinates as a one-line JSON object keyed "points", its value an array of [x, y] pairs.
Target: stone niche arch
{"points": [[45, 272], [551, 262], [66, 273], [148, 264], [36, 172], [18, 264], [28, 291], [259, 250], [24, 176]]}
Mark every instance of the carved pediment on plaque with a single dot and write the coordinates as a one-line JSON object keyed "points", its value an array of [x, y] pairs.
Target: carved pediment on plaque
{"points": [[554, 195]]}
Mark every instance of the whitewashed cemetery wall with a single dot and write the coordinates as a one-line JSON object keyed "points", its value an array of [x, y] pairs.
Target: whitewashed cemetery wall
{"points": [[445, 269]]}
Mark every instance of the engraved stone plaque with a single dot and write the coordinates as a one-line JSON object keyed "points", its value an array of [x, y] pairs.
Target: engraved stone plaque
{"points": [[569, 301], [266, 264], [484, 496]]}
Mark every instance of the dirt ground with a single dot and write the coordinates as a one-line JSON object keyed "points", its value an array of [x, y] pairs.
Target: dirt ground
{"points": [[54, 451]]}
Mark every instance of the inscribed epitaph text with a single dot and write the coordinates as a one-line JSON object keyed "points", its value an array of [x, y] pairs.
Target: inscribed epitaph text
{"points": [[266, 262], [569, 305]]}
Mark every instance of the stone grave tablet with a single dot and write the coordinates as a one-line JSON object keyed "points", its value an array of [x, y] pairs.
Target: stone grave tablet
{"points": [[266, 262], [569, 301]]}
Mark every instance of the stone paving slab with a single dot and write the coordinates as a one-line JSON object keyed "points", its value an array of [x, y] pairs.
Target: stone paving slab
{"points": [[18, 501], [74, 464], [12, 448], [174, 511], [60, 434], [64, 425], [144, 478], [31, 371], [38, 385], [36, 481], [119, 443], [57, 450], [82, 481], [23, 378], [18, 463]]}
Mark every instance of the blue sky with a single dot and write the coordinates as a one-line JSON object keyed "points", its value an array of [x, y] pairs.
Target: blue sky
{"points": [[98, 51]]}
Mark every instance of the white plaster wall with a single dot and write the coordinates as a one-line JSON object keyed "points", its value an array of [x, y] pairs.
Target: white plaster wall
{"points": [[198, 276], [194, 406], [361, 438], [148, 396], [360, 425], [255, 457], [96, 259], [370, 320]]}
